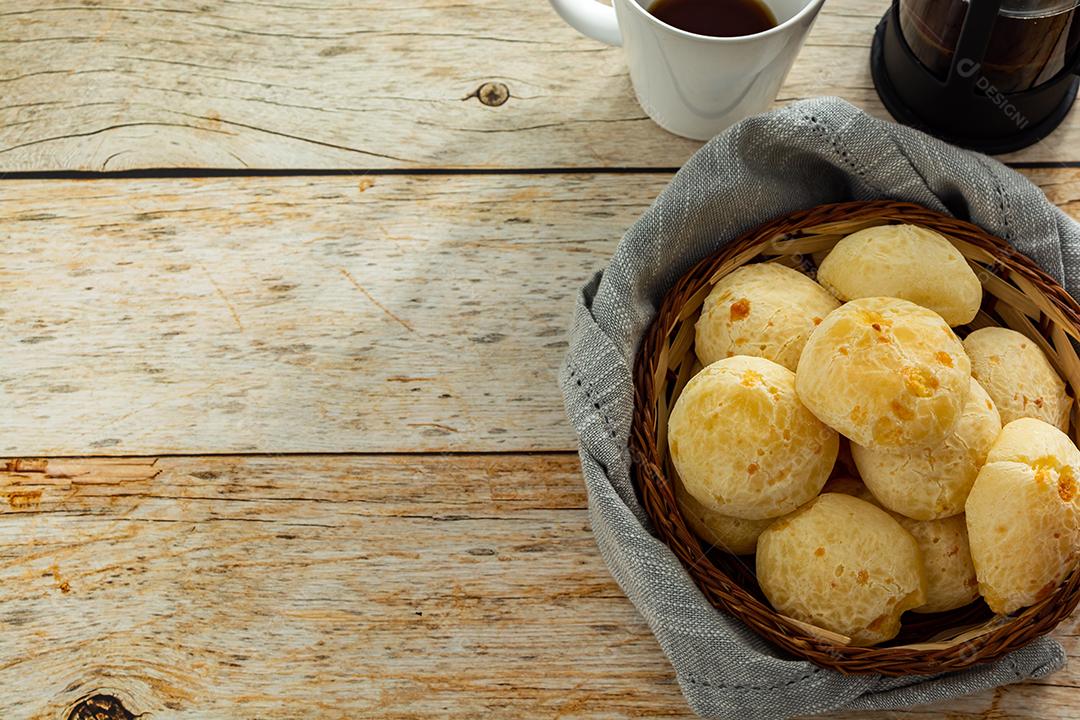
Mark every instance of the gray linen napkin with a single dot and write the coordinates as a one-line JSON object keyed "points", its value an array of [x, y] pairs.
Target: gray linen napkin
{"points": [[812, 152]]}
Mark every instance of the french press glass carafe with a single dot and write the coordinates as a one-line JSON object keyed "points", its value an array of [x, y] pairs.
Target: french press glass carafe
{"points": [[993, 75]]}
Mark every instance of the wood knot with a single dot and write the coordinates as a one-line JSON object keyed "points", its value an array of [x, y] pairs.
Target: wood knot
{"points": [[100, 707], [493, 94]]}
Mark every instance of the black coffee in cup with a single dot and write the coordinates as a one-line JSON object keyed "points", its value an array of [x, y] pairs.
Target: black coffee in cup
{"points": [[1025, 50], [718, 18]]}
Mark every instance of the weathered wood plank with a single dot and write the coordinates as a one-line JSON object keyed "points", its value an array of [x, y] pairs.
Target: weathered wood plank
{"points": [[336, 587], [236, 83], [303, 314], [315, 587], [295, 314]]}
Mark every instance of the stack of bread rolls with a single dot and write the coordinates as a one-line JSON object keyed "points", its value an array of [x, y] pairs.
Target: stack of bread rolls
{"points": [[960, 481]]}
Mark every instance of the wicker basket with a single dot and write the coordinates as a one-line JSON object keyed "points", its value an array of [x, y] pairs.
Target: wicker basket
{"points": [[1017, 294]]}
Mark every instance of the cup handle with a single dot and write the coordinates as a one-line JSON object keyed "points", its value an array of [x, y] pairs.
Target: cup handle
{"points": [[590, 18]]}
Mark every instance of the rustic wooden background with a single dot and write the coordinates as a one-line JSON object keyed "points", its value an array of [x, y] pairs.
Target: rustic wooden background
{"points": [[283, 289]]}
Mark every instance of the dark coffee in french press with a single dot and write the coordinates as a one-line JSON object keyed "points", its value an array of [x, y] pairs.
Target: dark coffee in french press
{"points": [[1024, 50], [994, 75]]}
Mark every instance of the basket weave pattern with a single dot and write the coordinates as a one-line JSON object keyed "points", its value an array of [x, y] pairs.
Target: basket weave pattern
{"points": [[1017, 294]]}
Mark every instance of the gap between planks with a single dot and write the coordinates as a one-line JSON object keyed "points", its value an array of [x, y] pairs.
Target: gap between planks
{"points": [[292, 454], [196, 172]]}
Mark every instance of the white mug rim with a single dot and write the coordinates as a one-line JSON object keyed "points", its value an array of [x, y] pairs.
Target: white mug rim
{"points": [[810, 7]]}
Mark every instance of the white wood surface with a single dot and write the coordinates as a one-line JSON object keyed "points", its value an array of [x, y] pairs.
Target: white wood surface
{"points": [[395, 587], [335, 314], [325, 83], [214, 335]]}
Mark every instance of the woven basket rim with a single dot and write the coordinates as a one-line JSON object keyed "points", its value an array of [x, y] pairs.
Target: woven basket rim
{"points": [[724, 587]]}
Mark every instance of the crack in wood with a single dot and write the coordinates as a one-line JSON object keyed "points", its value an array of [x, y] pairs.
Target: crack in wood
{"points": [[389, 313]]}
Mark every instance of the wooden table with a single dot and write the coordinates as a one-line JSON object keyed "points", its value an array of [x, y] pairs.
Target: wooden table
{"points": [[284, 288]]}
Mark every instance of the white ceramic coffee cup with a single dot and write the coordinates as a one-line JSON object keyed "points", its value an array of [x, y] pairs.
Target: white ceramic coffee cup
{"points": [[696, 85]]}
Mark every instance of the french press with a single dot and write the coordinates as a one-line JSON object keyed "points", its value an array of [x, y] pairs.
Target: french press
{"points": [[991, 75]]}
